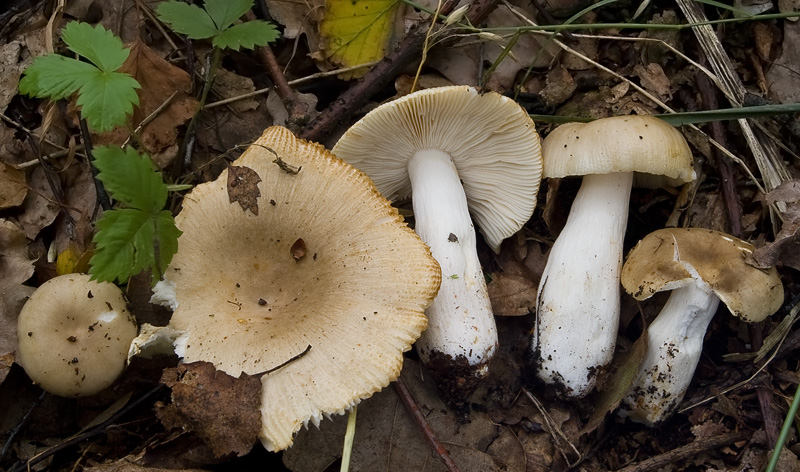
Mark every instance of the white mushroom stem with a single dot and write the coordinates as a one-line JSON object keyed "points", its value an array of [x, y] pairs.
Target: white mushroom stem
{"points": [[578, 301], [674, 345], [460, 321]]}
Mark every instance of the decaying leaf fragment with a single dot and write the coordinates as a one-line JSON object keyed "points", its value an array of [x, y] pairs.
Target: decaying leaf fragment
{"points": [[243, 187], [12, 187], [222, 410]]}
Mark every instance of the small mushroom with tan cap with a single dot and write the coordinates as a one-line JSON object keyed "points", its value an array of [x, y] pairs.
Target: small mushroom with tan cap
{"points": [[700, 267], [455, 151], [578, 300], [74, 335], [308, 269]]}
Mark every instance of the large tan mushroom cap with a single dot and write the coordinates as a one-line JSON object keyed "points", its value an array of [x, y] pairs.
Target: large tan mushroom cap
{"points": [[357, 296], [74, 335], [657, 263], [490, 138], [643, 144]]}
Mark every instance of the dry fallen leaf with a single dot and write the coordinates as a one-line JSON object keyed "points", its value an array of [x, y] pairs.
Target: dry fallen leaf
{"points": [[159, 80], [222, 410], [40, 208], [654, 80], [12, 187], [243, 187]]}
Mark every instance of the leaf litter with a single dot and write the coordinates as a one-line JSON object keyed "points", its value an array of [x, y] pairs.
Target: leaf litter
{"points": [[504, 429]]}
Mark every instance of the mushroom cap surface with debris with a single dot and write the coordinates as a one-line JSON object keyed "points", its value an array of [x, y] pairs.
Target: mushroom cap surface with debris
{"points": [[74, 335], [326, 262], [656, 264], [491, 139]]}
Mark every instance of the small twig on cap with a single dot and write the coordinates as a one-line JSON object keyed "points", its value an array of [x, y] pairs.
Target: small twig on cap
{"points": [[294, 358]]}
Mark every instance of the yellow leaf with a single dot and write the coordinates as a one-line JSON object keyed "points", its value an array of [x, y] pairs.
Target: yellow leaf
{"points": [[72, 261], [358, 31]]}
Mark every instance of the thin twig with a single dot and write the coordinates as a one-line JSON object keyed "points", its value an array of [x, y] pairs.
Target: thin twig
{"points": [[687, 452], [419, 418], [102, 196]]}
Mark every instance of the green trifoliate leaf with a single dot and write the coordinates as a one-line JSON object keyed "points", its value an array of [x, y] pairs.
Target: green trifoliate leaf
{"points": [[246, 35], [107, 99], [55, 77], [130, 178], [187, 19], [97, 44], [225, 12], [130, 240]]}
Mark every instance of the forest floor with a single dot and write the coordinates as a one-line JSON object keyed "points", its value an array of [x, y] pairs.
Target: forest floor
{"points": [[616, 58]]}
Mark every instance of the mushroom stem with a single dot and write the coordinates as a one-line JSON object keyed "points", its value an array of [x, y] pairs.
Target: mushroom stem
{"points": [[578, 301], [461, 335], [674, 345]]}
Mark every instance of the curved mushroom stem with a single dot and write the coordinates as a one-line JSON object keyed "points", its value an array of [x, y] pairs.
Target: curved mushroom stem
{"points": [[461, 336], [674, 345], [578, 301]]}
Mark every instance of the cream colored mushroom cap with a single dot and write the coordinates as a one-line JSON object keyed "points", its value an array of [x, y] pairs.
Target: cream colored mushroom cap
{"points": [[74, 335], [642, 144], [656, 264], [490, 138], [357, 296]]}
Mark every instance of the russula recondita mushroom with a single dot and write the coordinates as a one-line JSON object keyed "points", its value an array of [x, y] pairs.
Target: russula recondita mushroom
{"points": [[249, 300], [701, 267], [455, 152], [74, 334], [578, 300]]}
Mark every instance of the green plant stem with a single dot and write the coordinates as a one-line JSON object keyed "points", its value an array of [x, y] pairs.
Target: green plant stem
{"points": [[349, 434], [216, 60], [787, 426]]}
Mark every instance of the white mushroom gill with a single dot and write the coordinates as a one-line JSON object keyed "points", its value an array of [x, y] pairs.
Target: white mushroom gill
{"points": [[575, 335], [460, 320]]}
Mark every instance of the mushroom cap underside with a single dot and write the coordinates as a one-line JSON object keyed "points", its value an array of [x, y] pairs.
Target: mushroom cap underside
{"points": [[490, 138], [326, 263], [647, 145], [658, 262], [74, 335]]}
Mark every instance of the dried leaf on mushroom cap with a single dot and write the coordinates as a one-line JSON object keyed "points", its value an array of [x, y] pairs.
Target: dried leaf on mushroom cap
{"points": [[247, 304], [642, 144], [490, 138], [656, 264]]}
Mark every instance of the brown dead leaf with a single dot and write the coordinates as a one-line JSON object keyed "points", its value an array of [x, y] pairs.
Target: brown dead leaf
{"points": [[127, 464], [560, 86], [230, 85], [221, 409], [298, 17], [387, 438], [654, 80], [12, 297], [16, 264], [80, 201], [12, 187], [40, 208], [243, 187], [512, 295], [298, 249], [159, 80], [782, 78]]}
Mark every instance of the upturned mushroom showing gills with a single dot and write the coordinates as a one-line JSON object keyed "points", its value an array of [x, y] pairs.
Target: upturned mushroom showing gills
{"points": [[74, 335], [454, 151], [700, 267], [579, 295], [292, 260]]}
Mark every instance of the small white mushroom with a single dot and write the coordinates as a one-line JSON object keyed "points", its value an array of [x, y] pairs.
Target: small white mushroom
{"points": [[74, 335], [701, 267], [578, 300]]}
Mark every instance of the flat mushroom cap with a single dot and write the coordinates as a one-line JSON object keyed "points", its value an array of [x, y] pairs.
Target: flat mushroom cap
{"points": [[642, 144], [656, 264], [74, 335], [490, 138], [251, 295]]}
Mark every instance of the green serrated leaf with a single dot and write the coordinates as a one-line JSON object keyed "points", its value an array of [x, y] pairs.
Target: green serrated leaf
{"points": [[186, 19], [55, 77], [247, 35], [166, 241], [225, 12], [130, 178], [97, 44], [106, 100], [117, 242]]}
